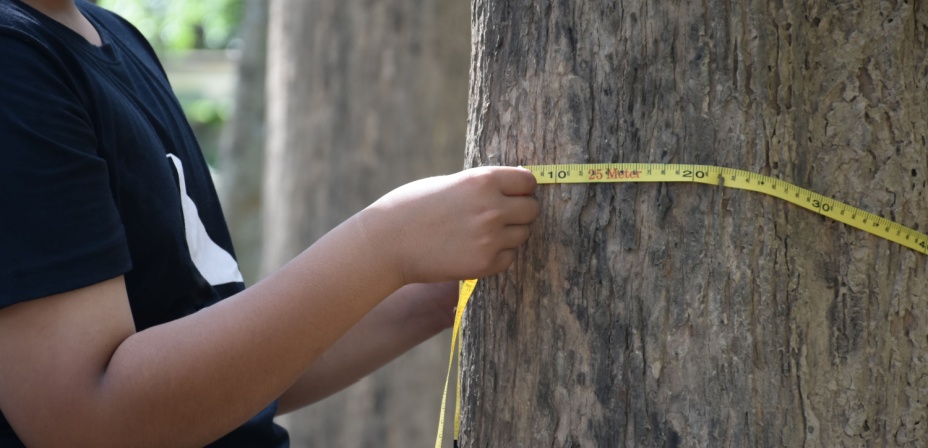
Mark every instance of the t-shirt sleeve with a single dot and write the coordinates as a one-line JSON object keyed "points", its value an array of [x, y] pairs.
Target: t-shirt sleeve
{"points": [[60, 229]]}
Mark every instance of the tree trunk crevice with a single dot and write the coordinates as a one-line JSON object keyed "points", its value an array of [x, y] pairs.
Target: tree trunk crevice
{"points": [[688, 315]]}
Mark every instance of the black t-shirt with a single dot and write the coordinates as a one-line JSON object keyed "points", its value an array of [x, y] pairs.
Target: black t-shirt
{"points": [[101, 176]]}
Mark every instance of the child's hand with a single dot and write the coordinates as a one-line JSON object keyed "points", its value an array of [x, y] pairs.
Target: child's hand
{"points": [[465, 225]]}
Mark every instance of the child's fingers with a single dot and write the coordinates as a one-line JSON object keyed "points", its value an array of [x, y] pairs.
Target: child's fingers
{"points": [[520, 210], [514, 181], [515, 235], [503, 260]]}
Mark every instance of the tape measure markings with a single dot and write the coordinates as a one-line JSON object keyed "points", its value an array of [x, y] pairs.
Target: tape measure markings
{"points": [[704, 174], [733, 178], [465, 290]]}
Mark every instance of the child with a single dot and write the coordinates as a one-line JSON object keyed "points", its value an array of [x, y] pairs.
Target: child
{"points": [[123, 317]]}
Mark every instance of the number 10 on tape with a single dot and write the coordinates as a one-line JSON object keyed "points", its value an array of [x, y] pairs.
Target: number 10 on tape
{"points": [[732, 178], [704, 174]]}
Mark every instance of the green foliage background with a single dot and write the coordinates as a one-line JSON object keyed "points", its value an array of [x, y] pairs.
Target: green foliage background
{"points": [[177, 25]]}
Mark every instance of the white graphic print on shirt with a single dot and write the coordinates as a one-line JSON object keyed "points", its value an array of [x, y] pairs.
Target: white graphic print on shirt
{"points": [[215, 264]]}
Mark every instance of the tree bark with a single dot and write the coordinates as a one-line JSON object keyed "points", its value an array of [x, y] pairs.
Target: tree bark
{"points": [[364, 96], [686, 315]]}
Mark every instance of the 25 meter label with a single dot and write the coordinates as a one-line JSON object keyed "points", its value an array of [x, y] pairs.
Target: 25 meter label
{"points": [[733, 178]]}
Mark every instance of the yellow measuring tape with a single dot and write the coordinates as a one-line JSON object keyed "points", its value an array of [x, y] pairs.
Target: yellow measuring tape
{"points": [[703, 174], [465, 289], [732, 178]]}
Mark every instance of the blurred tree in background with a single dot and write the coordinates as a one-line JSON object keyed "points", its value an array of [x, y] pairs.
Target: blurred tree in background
{"points": [[362, 97]]}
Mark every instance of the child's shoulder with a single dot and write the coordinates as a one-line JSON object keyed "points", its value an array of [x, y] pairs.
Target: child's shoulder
{"points": [[17, 17], [19, 20]]}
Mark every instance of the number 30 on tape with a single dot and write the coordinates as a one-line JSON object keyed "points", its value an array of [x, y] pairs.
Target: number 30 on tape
{"points": [[704, 174], [732, 178]]}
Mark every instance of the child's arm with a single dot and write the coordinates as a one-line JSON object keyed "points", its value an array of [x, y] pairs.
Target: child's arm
{"points": [[408, 317], [73, 361]]}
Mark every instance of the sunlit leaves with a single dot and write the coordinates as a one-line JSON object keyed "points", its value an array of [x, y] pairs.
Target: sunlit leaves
{"points": [[181, 24]]}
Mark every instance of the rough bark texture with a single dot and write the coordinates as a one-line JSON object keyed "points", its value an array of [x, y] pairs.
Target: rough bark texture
{"points": [[686, 315], [241, 151], [364, 96]]}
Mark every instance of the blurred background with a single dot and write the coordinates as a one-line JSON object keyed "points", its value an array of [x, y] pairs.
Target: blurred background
{"points": [[199, 44], [307, 111]]}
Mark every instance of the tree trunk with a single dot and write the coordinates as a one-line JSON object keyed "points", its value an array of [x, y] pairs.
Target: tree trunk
{"points": [[687, 315], [363, 97], [241, 150]]}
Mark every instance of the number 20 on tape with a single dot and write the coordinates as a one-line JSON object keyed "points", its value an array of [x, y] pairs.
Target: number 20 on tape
{"points": [[704, 174], [733, 178]]}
